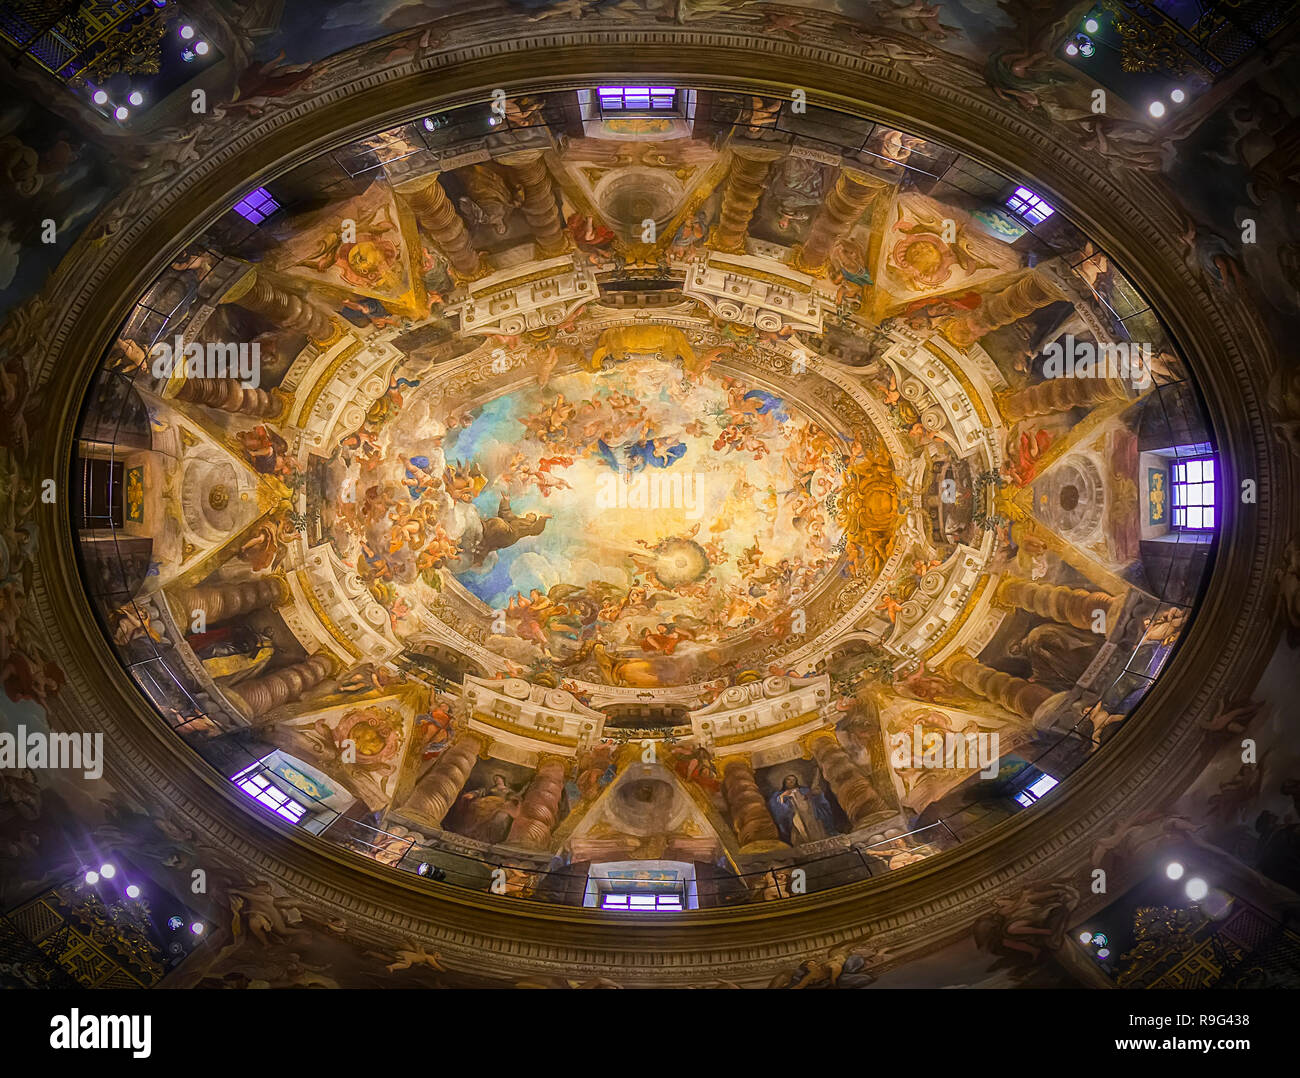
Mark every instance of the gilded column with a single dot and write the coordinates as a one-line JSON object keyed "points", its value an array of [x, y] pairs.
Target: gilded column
{"points": [[1070, 606], [255, 293], [437, 791], [837, 216], [851, 785], [260, 694], [740, 197], [438, 217], [540, 810], [1017, 695], [749, 815], [539, 207], [228, 395], [230, 600]]}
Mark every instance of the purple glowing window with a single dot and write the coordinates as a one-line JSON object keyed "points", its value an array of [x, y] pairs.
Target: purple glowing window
{"points": [[262, 791], [1029, 205], [257, 206], [644, 903], [637, 98]]}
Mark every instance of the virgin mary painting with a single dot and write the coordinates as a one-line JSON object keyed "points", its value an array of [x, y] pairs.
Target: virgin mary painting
{"points": [[802, 813]]}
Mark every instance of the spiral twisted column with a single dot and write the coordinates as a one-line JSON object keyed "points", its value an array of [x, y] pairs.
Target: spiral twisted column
{"points": [[837, 216], [1069, 606], [286, 309], [851, 785], [1015, 694], [438, 217], [434, 794], [539, 206], [749, 815], [219, 603], [740, 198], [228, 395], [540, 810], [259, 695]]}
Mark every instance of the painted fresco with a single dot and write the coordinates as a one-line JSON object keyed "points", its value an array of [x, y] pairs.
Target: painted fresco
{"points": [[504, 525]]}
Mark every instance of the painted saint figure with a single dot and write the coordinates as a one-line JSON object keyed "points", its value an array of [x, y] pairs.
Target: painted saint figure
{"points": [[802, 813]]}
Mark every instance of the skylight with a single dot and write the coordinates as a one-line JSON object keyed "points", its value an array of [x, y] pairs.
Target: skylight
{"points": [[637, 98], [257, 206], [260, 789], [1193, 493], [1035, 790], [641, 903], [1029, 206]]}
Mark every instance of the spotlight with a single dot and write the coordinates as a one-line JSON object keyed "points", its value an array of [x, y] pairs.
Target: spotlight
{"points": [[108, 871], [136, 98], [1085, 937], [133, 891], [1174, 870], [1091, 25], [432, 872], [175, 923], [100, 98], [201, 48], [197, 928], [1086, 47], [1156, 108], [1177, 96], [428, 124], [1101, 939], [1104, 953], [188, 55], [187, 32], [1197, 888], [121, 112], [1071, 49], [92, 877], [493, 121]]}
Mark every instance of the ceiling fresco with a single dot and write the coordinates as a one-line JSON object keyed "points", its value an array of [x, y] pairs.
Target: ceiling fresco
{"points": [[600, 490], [552, 508]]}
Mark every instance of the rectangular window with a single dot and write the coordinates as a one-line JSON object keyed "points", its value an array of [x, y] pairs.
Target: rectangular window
{"points": [[1029, 206], [262, 790], [102, 493], [1035, 790], [641, 903], [637, 98], [1192, 487], [257, 206]]}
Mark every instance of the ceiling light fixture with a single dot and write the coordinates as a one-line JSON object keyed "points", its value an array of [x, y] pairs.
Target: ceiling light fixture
{"points": [[100, 98], [201, 48], [1156, 108], [1174, 870], [187, 32], [1197, 888], [1177, 96], [121, 112], [136, 98]]}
